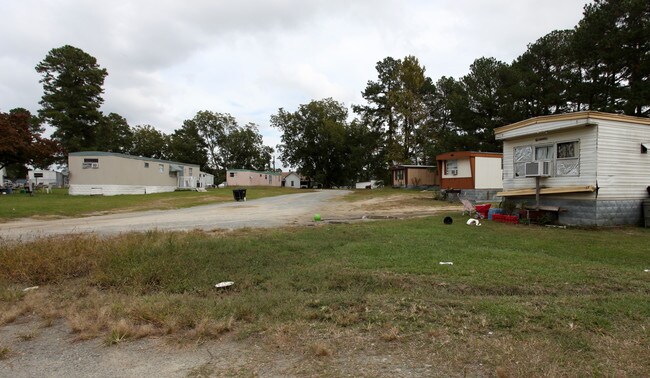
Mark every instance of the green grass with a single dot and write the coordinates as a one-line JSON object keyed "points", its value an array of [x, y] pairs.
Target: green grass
{"points": [[60, 204], [575, 299]]}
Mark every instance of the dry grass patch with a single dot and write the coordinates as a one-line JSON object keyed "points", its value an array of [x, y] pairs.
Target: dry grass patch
{"points": [[391, 333], [320, 349]]}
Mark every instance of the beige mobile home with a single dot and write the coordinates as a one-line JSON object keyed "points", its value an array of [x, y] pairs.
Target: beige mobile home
{"points": [[107, 173], [593, 167], [245, 177]]}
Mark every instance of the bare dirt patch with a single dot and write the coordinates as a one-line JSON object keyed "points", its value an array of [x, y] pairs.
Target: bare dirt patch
{"points": [[395, 206]]}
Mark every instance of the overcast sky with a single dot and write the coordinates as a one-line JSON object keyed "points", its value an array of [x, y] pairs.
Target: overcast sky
{"points": [[168, 59]]}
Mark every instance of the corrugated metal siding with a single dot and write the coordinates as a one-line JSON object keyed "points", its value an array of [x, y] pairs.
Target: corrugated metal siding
{"points": [[588, 160], [623, 171]]}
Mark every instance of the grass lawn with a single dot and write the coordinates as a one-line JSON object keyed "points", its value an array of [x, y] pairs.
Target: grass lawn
{"points": [[517, 301], [60, 204]]}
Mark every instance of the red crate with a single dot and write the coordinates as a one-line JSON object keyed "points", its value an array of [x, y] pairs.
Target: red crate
{"points": [[514, 219], [483, 209]]}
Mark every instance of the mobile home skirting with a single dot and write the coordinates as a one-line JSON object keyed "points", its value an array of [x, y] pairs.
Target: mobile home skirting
{"points": [[592, 212], [114, 190]]}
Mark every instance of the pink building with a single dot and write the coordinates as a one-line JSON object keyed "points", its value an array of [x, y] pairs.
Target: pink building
{"points": [[245, 177]]}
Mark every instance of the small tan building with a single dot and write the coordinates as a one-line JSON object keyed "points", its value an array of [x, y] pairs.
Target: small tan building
{"points": [[107, 173], [411, 176], [246, 177]]}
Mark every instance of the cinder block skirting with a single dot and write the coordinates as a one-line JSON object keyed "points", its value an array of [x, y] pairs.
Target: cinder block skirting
{"points": [[593, 212], [480, 195]]}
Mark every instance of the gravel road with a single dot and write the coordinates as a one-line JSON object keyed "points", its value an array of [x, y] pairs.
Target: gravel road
{"points": [[265, 212]]}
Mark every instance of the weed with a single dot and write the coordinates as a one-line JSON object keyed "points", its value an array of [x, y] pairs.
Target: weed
{"points": [[4, 353], [119, 333], [320, 350], [27, 336], [390, 334], [115, 337]]}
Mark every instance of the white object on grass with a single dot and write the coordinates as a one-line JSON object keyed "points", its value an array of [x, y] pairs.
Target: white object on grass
{"points": [[446, 263], [221, 285], [472, 221], [30, 288]]}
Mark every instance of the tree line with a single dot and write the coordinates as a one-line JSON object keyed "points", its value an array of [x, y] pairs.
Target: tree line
{"points": [[602, 64]]}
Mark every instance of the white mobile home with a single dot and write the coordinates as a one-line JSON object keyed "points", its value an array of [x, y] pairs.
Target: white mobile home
{"points": [[593, 167], [291, 180], [206, 180], [47, 177], [107, 173]]}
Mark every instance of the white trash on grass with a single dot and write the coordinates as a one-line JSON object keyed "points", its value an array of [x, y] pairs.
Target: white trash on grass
{"points": [[472, 221]]}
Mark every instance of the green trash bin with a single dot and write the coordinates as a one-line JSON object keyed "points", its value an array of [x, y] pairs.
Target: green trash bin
{"points": [[646, 213]]}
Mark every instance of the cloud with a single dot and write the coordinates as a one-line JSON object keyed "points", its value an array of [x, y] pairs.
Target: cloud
{"points": [[168, 59]]}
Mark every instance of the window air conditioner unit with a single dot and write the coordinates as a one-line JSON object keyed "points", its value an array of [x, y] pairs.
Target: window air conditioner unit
{"points": [[453, 172], [538, 168]]}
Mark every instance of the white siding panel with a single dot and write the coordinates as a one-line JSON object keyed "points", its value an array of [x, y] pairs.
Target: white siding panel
{"points": [[113, 190], [588, 153], [488, 173], [623, 171]]}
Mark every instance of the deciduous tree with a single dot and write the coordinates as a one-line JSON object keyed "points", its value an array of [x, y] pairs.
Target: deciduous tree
{"points": [[149, 142], [21, 142], [114, 134], [187, 146], [319, 142], [243, 147], [213, 127]]}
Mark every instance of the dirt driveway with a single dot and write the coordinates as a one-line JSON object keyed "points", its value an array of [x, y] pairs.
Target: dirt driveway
{"points": [[293, 209]]}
